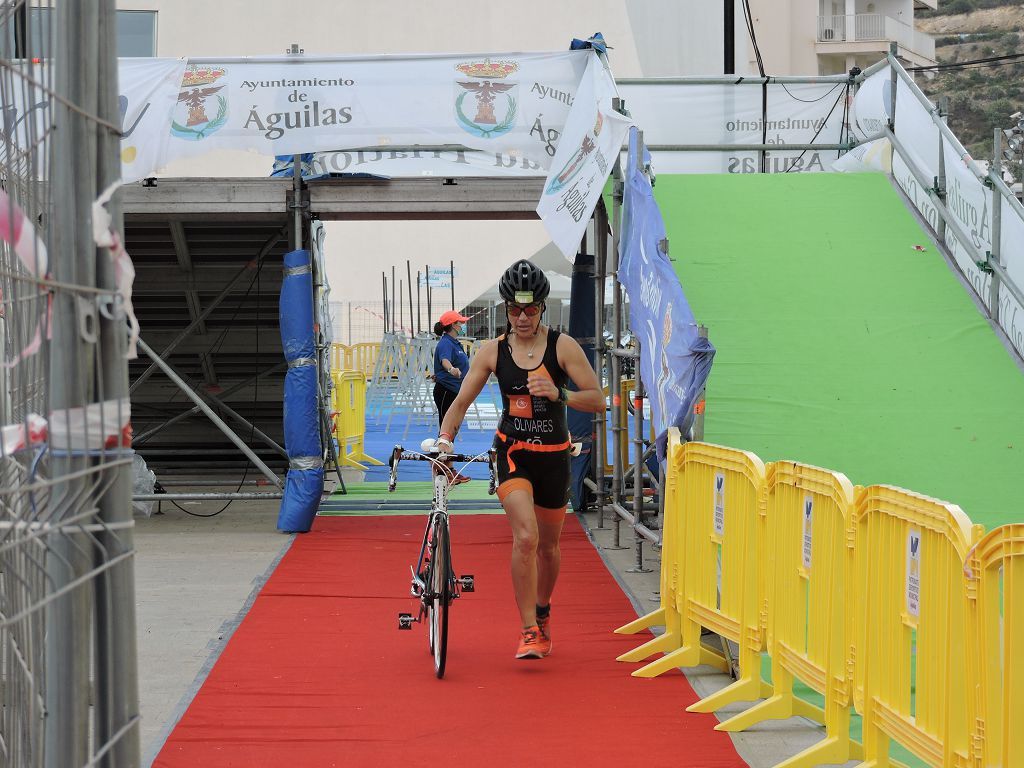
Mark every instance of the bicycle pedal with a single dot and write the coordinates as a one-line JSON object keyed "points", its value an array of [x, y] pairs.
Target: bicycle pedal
{"points": [[405, 621], [467, 582]]}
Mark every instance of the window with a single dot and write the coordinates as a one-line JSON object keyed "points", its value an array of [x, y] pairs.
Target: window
{"points": [[26, 31], [136, 33], [30, 28]]}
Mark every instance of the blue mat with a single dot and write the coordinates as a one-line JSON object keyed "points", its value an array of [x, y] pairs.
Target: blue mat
{"points": [[379, 442]]}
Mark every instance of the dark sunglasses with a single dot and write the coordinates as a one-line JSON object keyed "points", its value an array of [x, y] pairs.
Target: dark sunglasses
{"points": [[531, 310]]}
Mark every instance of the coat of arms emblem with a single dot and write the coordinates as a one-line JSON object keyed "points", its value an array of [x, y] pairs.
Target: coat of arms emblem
{"points": [[493, 107], [192, 120], [578, 161]]}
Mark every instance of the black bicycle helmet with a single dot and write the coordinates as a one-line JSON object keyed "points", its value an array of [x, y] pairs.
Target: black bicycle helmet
{"points": [[524, 283]]}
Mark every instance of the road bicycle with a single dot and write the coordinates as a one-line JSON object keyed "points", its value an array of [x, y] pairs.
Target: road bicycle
{"points": [[434, 581]]}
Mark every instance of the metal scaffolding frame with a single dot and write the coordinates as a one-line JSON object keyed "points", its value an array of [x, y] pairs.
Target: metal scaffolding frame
{"points": [[201, 248]]}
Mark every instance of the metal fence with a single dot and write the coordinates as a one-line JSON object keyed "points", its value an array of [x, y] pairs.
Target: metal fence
{"points": [[68, 685]]}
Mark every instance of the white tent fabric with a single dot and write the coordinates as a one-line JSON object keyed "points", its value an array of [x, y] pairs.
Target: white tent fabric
{"points": [[561, 288]]}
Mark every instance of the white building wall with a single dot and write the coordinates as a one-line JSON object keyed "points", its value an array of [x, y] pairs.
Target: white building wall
{"points": [[685, 37], [353, 27]]}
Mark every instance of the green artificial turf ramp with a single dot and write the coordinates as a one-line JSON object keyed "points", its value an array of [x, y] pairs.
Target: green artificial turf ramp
{"points": [[839, 344]]}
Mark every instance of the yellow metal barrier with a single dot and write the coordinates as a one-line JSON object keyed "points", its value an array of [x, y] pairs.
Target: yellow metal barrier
{"points": [[882, 600], [722, 514], [348, 401], [910, 643], [339, 359], [359, 357], [671, 568], [995, 580], [808, 565], [364, 357]]}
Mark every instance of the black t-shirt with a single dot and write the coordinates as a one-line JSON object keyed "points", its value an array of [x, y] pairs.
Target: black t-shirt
{"points": [[525, 417]]}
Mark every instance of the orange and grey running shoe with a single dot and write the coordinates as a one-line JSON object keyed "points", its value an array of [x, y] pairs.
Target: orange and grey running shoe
{"points": [[544, 625], [530, 644]]}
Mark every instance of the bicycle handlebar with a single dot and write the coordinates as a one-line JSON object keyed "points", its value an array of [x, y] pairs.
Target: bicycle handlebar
{"points": [[400, 454]]}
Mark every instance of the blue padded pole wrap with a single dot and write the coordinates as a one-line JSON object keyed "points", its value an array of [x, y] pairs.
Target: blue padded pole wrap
{"points": [[305, 482]]}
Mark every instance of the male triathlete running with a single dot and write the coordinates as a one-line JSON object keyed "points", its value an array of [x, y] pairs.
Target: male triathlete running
{"points": [[534, 365]]}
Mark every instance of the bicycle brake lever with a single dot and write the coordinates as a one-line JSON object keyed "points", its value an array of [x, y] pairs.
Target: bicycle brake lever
{"points": [[492, 465], [396, 456]]}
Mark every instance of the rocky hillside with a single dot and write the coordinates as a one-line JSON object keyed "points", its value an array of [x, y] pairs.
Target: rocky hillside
{"points": [[980, 98]]}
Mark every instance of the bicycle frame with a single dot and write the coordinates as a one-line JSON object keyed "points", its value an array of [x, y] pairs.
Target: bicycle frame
{"points": [[436, 594], [438, 515]]}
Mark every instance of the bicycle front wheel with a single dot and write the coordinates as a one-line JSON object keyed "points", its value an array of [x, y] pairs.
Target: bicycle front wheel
{"points": [[441, 596]]}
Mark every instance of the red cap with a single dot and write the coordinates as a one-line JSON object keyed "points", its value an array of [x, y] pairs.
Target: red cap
{"points": [[451, 316]]}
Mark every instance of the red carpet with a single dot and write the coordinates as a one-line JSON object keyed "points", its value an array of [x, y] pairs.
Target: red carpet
{"points": [[318, 674]]}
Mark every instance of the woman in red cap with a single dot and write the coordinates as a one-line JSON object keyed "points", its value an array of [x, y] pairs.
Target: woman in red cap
{"points": [[451, 363]]}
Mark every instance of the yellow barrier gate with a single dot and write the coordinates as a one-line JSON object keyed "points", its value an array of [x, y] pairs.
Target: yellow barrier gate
{"points": [[672, 549], [808, 565], [722, 514], [995, 578], [364, 357], [359, 357], [348, 400], [725, 561], [884, 601], [910, 644], [338, 357]]}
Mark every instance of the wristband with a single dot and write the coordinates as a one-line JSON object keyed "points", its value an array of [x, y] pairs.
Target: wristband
{"points": [[563, 395]]}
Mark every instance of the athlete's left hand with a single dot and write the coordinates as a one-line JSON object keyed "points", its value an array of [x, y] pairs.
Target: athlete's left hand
{"points": [[542, 386]]}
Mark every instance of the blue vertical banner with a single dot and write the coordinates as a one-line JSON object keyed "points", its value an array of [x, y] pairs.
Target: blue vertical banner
{"points": [[674, 359]]}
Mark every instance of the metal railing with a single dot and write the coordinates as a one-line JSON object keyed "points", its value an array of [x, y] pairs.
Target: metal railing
{"points": [[933, 183], [874, 27]]}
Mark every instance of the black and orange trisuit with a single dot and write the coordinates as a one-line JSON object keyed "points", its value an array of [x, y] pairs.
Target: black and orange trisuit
{"points": [[533, 437]]}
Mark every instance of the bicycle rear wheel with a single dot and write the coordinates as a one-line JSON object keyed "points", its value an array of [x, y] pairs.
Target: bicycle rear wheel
{"points": [[441, 596]]}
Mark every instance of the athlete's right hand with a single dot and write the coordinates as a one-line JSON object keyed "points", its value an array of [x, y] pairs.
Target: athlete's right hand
{"points": [[436, 445]]}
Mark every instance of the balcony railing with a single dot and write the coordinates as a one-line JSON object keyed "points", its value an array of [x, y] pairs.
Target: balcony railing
{"points": [[874, 27]]}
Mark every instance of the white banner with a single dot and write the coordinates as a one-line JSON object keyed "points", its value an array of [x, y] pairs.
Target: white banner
{"points": [[733, 114], [148, 97], [432, 163], [1011, 312], [514, 104], [872, 106], [590, 143], [968, 200], [508, 111]]}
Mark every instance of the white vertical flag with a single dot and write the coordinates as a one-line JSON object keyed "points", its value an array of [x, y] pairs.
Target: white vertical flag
{"points": [[587, 149]]}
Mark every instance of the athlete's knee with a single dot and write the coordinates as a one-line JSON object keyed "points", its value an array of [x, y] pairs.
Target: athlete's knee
{"points": [[547, 550], [525, 542]]}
